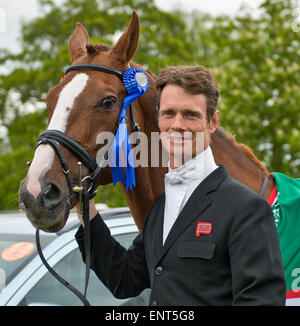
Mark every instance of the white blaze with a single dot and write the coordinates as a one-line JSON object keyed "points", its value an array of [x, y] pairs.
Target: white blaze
{"points": [[44, 154]]}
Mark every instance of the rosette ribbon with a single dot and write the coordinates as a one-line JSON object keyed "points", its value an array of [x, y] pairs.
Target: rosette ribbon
{"points": [[136, 84]]}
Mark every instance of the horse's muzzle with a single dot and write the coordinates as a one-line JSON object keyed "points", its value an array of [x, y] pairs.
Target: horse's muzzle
{"points": [[49, 210]]}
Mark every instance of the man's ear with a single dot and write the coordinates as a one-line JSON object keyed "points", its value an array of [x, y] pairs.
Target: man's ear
{"points": [[126, 47], [157, 110], [78, 42], [213, 124]]}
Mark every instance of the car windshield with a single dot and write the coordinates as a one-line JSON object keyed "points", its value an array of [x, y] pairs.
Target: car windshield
{"points": [[16, 251]]}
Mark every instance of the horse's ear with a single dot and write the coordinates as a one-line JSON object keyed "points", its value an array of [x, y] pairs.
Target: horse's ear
{"points": [[78, 41], [127, 44]]}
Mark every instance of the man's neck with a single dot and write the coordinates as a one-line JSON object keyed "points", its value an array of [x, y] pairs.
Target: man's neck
{"points": [[177, 161]]}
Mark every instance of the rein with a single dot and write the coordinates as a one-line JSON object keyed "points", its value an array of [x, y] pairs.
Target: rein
{"points": [[54, 138]]}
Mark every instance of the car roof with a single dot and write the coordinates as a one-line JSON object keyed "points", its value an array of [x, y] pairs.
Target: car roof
{"points": [[15, 225], [16, 222]]}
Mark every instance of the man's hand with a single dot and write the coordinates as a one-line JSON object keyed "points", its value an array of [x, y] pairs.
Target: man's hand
{"points": [[93, 211]]}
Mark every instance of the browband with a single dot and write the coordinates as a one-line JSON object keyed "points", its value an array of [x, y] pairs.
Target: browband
{"points": [[95, 67]]}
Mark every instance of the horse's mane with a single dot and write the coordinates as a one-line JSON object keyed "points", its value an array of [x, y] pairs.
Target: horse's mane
{"points": [[242, 148]]}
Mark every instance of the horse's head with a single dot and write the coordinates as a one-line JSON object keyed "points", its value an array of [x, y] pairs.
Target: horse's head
{"points": [[84, 104]]}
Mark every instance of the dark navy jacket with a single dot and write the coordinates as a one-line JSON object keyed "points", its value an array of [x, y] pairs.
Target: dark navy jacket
{"points": [[233, 259]]}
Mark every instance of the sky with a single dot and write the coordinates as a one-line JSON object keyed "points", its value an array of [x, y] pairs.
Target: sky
{"points": [[12, 11]]}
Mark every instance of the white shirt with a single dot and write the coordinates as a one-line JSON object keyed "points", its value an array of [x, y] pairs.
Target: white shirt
{"points": [[180, 183]]}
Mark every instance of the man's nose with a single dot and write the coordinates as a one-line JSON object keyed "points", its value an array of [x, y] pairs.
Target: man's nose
{"points": [[178, 122]]}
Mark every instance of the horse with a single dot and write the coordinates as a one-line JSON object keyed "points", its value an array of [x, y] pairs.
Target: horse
{"points": [[82, 106], [86, 103]]}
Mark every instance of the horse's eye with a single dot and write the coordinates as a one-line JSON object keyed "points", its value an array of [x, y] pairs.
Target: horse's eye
{"points": [[107, 103]]}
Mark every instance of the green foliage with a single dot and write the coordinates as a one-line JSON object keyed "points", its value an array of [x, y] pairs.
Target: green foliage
{"points": [[22, 139], [258, 70], [255, 60], [111, 196]]}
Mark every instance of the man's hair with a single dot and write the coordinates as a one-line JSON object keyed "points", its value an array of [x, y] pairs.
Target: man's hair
{"points": [[194, 80]]}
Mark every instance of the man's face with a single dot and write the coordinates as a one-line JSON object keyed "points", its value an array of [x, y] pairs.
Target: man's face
{"points": [[182, 121]]}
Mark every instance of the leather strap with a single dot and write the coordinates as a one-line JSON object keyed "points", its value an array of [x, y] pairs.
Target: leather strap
{"points": [[95, 67], [87, 240], [62, 160], [264, 186], [73, 146], [52, 271]]}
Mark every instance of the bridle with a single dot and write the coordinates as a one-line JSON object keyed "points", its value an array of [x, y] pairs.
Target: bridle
{"points": [[54, 138]]}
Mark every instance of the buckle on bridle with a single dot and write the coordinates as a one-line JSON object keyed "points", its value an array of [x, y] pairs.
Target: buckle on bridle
{"points": [[78, 189]]}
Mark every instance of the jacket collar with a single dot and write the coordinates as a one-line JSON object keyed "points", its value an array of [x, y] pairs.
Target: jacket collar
{"points": [[195, 168], [197, 203]]}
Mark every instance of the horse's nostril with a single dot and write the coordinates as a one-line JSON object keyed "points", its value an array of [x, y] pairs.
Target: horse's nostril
{"points": [[51, 195]]}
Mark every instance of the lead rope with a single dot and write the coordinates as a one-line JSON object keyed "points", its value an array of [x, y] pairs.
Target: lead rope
{"points": [[58, 277], [87, 238]]}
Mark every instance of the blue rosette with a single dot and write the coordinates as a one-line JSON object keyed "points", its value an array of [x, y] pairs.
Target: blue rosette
{"points": [[136, 84]]}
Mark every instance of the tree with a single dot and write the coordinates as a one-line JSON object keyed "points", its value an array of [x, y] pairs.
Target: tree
{"points": [[256, 61]]}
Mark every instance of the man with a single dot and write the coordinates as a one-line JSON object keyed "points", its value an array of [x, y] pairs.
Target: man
{"points": [[208, 240]]}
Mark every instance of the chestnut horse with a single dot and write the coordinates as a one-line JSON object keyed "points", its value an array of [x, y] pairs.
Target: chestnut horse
{"points": [[86, 103]]}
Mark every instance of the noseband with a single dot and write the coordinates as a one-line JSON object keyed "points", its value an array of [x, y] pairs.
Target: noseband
{"points": [[54, 138]]}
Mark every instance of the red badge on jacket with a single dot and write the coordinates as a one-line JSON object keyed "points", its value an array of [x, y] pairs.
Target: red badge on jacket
{"points": [[203, 228], [62, 78]]}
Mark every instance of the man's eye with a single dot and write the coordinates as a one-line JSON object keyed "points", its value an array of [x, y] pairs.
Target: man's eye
{"points": [[168, 113], [107, 103], [192, 115]]}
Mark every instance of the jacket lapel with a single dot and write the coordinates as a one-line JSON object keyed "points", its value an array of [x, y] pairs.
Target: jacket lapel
{"points": [[160, 225], [197, 203]]}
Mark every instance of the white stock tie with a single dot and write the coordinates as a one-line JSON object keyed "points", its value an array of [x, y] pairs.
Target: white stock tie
{"points": [[174, 178]]}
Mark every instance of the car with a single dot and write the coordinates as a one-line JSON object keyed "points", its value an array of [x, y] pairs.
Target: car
{"points": [[25, 281]]}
